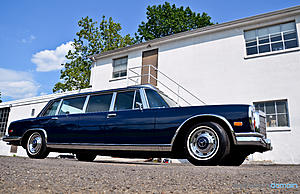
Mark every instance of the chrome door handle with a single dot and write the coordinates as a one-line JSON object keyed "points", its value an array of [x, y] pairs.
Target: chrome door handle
{"points": [[54, 118], [110, 115]]}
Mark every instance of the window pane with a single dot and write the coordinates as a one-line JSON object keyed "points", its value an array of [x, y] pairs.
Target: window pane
{"points": [[277, 46], [281, 107], [271, 120], [262, 32], [155, 100], [250, 35], [52, 109], [259, 106], [123, 73], [263, 40], [291, 44], [264, 48], [288, 26], [120, 67], [99, 103], [137, 99], [72, 106], [124, 101], [252, 43], [276, 37], [274, 29], [270, 107], [288, 35], [282, 120], [252, 50]]}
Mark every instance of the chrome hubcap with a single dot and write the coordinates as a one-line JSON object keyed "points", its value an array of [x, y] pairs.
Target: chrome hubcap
{"points": [[34, 144], [203, 143]]}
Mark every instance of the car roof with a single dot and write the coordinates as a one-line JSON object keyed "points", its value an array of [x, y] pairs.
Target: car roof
{"points": [[146, 86]]}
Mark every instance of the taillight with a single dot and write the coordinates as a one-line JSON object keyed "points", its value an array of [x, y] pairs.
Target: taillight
{"points": [[10, 131]]}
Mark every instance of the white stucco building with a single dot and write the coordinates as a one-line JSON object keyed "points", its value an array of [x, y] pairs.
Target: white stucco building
{"points": [[255, 60]]}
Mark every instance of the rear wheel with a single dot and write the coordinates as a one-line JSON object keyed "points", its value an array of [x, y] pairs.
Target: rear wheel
{"points": [[86, 157], [36, 146], [206, 144]]}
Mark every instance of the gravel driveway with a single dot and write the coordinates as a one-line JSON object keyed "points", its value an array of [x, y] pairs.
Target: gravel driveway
{"points": [[24, 175]]}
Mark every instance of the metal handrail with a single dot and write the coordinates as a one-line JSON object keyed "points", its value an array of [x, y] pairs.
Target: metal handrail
{"points": [[137, 75]]}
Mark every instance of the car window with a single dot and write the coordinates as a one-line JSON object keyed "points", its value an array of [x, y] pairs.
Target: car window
{"points": [[99, 103], [124, 100], [52, 109], [155, 100], [72, 106]]}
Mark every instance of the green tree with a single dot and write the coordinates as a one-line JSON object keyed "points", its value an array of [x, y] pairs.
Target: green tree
{"points": [[164, 20], [91, 39]]}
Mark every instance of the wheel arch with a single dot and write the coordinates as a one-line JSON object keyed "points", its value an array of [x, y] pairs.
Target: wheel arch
{"points": [[27, 133], [178, 138]]}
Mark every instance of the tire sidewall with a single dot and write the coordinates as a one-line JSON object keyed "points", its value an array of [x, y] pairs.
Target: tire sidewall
{"points": [[222, 149]]}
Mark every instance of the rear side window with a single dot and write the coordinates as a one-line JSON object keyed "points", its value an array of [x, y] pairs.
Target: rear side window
{"points": [[52, 109], [72, 106], [155, 100], [124, 100], [100, 103]]}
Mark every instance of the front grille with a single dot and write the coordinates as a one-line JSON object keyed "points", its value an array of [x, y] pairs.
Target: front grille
{"points": [[262, 123]]}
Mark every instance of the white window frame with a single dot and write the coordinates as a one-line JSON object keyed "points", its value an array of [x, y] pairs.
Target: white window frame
{"points": [[120, 71], [269, 35], [276, 113]]}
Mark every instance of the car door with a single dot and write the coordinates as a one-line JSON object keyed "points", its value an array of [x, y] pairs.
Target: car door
{"points": [[128, 122], [91, 125], [62, 126]]}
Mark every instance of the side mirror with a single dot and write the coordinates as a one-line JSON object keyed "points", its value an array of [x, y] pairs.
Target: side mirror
{"points": [[139, 105]]}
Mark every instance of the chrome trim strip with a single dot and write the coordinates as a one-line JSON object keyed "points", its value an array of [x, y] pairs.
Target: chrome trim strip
{"points": [[59, 106], [144, 98], [250, 134], [85, 103], [211, 115], [123, 147], [112, 103]]}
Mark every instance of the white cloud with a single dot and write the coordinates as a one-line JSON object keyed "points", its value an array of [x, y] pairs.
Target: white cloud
{"points": [[17, 84], [51, 60], [29, 39]]}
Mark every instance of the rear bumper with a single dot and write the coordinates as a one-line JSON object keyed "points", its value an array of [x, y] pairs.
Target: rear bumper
{"points": [[12, 140], [255, 140]]}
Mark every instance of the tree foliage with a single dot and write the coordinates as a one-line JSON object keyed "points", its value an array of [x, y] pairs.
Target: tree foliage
{"points": [[164, 20], [0, 98], [91, 39]]}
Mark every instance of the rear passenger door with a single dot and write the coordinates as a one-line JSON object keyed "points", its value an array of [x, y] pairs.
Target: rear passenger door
{"points": [[91, 125], [127, 123]]}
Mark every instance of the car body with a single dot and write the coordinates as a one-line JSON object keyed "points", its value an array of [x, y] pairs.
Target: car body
{"points": [[141, 121]]}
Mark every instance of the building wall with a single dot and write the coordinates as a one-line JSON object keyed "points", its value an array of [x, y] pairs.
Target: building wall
{"points": [[216, 68]]}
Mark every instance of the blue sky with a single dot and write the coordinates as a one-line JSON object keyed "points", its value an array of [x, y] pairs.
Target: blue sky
{"points": [[35, 34]]}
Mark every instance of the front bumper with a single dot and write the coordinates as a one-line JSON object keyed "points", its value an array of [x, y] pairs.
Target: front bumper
{"points": [[256, 140], [12, 140]]}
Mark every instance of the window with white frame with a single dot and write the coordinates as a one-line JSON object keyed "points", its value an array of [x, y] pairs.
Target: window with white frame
{"points": [[120, 67], [271, 38], [276, 112]]}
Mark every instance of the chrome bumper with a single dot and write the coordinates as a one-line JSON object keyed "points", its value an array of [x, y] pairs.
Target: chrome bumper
{"points": [[253, 139], [12, 140]]}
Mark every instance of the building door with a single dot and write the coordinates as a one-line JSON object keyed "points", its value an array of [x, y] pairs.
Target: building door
{"points": [[149, 58], [4, 113]]}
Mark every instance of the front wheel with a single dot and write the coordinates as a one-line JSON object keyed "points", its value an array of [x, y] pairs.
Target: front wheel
{"points": [[206, 144], [36, 146]]}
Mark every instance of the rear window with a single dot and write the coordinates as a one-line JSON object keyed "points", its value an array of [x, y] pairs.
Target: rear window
{"points": [[72, 106], [100, 103]]}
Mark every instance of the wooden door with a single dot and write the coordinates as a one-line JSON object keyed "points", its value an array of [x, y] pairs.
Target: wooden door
{"points": [[149, 58]]}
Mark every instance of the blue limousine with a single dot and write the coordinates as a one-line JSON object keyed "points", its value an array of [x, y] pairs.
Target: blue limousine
{"points": [[141, 122]]}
